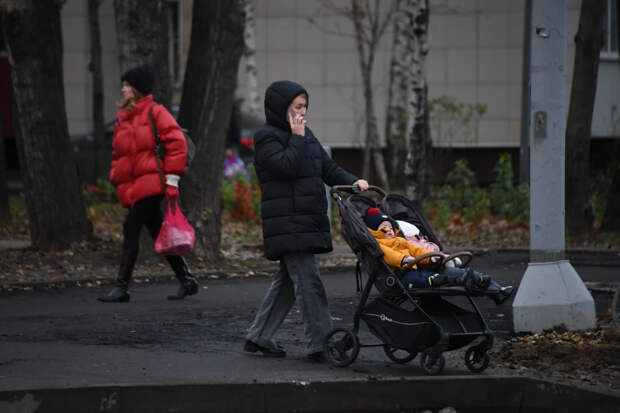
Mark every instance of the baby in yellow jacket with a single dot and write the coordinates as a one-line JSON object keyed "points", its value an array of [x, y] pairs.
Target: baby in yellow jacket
{"points": [[399, 253]]}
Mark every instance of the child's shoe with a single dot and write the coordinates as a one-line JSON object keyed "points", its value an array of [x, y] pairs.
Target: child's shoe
{"points": [[437, 280]]}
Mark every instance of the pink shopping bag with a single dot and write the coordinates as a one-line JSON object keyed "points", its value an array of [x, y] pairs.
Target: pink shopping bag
{"points": [[176, 236]]}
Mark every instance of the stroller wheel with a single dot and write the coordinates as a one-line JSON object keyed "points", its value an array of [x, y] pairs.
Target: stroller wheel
{"points": [[398, 355], [341, 347], [432, 365], [476, 359]]}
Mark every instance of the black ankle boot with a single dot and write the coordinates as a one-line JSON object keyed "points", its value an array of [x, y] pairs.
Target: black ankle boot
{"points": [[189, 287], [481, 281], [467, 279], [118, 294], [501, 295]]}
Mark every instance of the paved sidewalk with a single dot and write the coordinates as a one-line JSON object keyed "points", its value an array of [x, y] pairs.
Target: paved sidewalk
{"points": [[62, 350]]}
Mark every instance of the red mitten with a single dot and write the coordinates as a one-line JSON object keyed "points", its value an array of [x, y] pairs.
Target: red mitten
{"points": [[172, 192]]}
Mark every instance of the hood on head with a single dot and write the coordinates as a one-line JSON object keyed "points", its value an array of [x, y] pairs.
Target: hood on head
{"points": [[278, 98]]}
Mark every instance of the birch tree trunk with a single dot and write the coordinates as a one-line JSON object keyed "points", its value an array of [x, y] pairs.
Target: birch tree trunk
{"points": [[142, 33], [100, 159], [418, 143], [397, 115], [253, 101], [409, 145], [588, 44], [33, 38], [210, 80]]}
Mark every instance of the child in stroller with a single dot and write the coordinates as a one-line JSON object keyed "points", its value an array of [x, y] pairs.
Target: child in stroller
{"points": [[400, 254], [408, 320]]}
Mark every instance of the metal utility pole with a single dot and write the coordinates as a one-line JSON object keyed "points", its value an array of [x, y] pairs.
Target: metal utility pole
{"points": [[551, 292]]}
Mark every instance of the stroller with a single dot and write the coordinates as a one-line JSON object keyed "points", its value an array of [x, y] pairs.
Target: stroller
{"points": [[406, 321]]}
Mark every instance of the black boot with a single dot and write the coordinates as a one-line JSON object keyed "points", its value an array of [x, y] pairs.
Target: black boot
{"points": [[466, 279], [481, 281], [120, 292], [116, 295], [189, 284], [474, 281], [499, 294]]}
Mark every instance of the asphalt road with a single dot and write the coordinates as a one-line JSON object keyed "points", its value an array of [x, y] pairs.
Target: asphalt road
{"points": [[59, 338]]}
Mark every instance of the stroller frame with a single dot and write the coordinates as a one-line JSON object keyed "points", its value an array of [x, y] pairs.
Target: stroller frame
{"points": [[442, 327]]}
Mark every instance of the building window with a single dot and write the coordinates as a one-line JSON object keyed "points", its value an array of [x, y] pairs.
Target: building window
{"points": [[610, 45], [175, 39]]}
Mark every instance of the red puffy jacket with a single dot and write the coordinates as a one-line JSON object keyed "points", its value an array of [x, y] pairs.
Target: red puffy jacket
{"points": [[134, 170]]}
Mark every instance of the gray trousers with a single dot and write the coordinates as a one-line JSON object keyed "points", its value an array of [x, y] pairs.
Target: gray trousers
{"points": [[299, 278]]}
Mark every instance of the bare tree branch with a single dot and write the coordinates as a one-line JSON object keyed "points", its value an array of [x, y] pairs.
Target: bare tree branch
{"points": [[324, 29]]}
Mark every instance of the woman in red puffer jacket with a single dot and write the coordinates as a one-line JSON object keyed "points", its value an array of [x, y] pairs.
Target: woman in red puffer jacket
{"points": [[136, 176]]}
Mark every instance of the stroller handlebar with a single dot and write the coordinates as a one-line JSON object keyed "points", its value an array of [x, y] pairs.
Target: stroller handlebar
{"points": [[464, 256], [429, 255], [354, 189]]}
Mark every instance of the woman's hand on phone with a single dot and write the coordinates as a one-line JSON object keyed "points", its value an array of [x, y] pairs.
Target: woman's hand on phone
{"points": [[298, 123]]}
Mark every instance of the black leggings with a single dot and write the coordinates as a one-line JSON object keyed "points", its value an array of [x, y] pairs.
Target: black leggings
{"points": [[145, 212]]}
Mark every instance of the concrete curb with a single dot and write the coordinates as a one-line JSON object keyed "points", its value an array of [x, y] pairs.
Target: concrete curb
{"points": [[267, 269], [519, 250], [13, 244], [480, 394], [603, 287]]}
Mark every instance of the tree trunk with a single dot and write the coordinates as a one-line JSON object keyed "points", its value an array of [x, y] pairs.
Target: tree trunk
{"points": [[142, 33], [249, 54], [100, 160], [6, 121], [418, 143], [56, 210], [611, 220], [372, 136], [366, 42], [396, 115], [210, 80], [588, 43], [4, 190], [409, 145]]}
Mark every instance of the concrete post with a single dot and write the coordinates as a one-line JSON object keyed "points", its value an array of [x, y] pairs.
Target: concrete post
{"points": [[551, 292]]}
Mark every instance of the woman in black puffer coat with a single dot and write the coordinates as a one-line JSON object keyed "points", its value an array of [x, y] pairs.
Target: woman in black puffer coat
{"points": [[292, 167]]}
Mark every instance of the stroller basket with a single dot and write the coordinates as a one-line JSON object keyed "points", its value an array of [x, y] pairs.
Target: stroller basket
{"points": [[400, 328], [412, 330]]}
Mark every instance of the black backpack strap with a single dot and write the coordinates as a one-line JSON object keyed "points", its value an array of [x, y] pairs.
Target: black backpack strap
{"points": [[154, 127], [158, 148]]}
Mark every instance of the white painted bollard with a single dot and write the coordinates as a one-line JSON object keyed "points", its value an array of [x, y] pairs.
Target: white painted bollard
{"points": [[550, 294]]}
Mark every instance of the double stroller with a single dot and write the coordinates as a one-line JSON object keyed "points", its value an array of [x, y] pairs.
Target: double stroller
{"points": [[406, 321]]}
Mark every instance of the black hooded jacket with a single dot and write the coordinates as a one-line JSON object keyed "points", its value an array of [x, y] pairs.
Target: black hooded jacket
{"points": [[292, 169]]}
